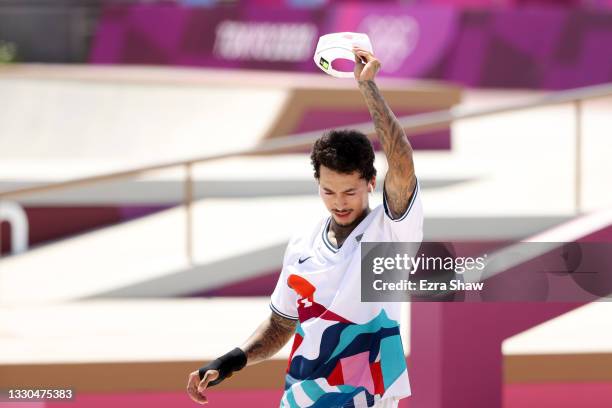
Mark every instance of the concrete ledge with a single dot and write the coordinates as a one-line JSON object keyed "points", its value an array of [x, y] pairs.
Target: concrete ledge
{"points": [[135, 376], [172, 376], [558, 367]]}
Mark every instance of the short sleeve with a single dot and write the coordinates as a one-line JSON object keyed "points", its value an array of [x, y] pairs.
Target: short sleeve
{"points": [[408, 227], [284, 299]]}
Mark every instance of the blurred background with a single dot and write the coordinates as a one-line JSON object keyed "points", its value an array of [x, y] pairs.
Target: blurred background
{"points": [[154, 163]]}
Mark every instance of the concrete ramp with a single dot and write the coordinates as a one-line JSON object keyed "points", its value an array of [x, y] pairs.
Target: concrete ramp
{"points": [[135, 116], [233, 239]]}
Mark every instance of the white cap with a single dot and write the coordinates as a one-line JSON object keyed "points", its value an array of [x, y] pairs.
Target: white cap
{"points": [[339, 46]]}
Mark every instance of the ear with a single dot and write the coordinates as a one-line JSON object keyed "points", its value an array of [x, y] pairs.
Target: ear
{"points": [[372, 185]]}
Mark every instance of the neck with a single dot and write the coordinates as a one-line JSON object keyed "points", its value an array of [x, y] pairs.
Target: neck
{"points": [[340, 232]]}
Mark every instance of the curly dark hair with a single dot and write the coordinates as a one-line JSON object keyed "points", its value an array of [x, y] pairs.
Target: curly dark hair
{"points": [[344, 151]]}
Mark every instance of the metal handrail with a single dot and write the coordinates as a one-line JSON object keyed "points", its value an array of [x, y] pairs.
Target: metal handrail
{"points": [[414, 124]]}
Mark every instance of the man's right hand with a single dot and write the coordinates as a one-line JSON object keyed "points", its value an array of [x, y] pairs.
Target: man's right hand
{"points": [[271, 335], [196, 387], [366, 65]]}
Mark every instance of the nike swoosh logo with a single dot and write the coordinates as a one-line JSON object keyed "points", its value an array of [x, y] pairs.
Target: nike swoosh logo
{"points": [[301, 261]]}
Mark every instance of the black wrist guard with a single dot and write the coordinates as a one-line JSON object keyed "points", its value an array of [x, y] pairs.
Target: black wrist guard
{"points": [[235, 360]]}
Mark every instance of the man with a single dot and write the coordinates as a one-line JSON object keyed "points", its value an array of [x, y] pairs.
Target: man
{"points": [[345, 353]]}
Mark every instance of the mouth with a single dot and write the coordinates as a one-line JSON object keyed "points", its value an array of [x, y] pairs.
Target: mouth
{"points": [[342, 214]]}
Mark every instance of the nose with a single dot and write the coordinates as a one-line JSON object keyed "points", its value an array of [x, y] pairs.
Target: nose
{"points": [[340, 203]]}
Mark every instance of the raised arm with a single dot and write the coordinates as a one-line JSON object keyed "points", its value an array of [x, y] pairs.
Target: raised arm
{"points": [[266, 340], [400, 180]]}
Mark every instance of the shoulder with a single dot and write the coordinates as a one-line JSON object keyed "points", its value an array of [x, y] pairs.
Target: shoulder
{"points": [[408, 227]]}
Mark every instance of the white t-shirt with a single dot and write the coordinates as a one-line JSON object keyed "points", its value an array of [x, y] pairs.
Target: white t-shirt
{"points": [[346, 353]]}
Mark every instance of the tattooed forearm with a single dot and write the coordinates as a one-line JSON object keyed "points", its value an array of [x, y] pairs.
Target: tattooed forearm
{"points": [[269, 338], [400, 180]]}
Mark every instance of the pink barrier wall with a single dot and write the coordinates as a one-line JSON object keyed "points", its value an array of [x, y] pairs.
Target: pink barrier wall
{"points": [[555, 48]]}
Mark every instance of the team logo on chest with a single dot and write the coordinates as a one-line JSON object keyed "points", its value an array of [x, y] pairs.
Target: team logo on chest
{"points": [[307, 307], [303, 288]]}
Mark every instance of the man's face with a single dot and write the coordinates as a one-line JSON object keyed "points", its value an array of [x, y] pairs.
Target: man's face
{"points": [[344, 195]]}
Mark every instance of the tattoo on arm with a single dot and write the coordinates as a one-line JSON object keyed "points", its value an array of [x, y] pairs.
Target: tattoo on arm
{"points": [[400, 180], [269, 338]]}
